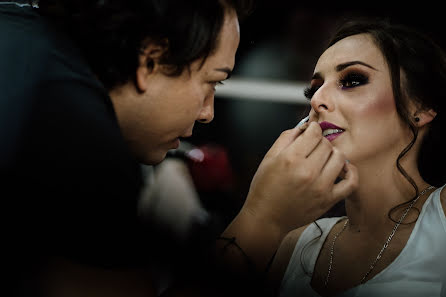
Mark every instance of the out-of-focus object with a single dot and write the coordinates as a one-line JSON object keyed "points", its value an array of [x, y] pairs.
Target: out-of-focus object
{"points": [[170, 199], [214, 173]]}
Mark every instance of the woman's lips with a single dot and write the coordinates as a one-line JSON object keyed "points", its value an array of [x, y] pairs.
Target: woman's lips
{"points": [[333, 136], [330, 131]]}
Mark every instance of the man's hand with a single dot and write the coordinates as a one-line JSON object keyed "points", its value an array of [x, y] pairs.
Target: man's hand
{"points": [[295, 183], [293, 186]]}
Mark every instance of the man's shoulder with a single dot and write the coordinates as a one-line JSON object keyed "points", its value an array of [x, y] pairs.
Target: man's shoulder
{"points": [[40, 49]]}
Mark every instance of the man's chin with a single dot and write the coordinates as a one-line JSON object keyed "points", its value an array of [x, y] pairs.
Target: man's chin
{"points": [[153, 158]]}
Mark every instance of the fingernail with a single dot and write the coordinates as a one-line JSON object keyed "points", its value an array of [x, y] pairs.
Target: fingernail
{"points": [[303, 127]]}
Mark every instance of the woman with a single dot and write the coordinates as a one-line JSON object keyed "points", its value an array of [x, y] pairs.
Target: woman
{"points": [[377, 94]]}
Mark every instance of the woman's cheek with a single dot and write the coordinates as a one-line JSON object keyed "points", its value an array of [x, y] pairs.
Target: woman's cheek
{"points": [[379, 105]]}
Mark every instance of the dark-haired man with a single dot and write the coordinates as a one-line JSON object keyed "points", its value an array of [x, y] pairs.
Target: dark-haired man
{"points": [[110, 84]]}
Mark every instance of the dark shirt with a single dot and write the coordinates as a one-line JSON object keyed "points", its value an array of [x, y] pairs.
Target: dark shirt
{"points": [[69, 185]]}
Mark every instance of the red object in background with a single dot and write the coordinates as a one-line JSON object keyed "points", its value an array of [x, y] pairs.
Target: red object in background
{"points": [[214, 172]]}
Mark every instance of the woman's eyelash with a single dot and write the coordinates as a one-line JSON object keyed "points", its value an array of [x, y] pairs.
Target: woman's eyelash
{"points": [[309, 92], [353, 79], [349, 80]]}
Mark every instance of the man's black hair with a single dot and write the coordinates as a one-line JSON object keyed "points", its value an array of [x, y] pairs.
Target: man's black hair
{"points": [[112, 33]]}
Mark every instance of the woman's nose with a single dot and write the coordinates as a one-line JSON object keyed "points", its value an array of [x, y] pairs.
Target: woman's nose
{"points": [[321, 100]]}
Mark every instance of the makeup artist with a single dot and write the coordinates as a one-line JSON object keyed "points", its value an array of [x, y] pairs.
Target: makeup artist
{"points": [[91, 89]]}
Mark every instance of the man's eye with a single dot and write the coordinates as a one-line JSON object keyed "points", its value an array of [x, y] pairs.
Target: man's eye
{"points": [[215, 83]]}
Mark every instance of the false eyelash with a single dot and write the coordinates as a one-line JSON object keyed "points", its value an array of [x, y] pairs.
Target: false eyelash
{"points": [[309, 92], [359, 78], [354, 78]]}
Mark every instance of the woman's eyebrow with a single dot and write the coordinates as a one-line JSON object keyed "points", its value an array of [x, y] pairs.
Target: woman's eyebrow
{"points": [[342, 66]]}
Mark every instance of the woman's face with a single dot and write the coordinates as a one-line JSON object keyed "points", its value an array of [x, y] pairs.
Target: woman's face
{"points": [[351, 97]]}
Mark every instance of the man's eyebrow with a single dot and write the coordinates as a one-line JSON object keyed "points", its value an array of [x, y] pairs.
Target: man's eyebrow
{"points": [[226, 70], [342, 66]]}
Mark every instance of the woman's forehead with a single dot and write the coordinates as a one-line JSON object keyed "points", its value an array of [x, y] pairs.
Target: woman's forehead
{"points": [[360, 47]]}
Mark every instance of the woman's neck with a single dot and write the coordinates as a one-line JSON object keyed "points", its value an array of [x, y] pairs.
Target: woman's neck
{"points": [[380, 189]]}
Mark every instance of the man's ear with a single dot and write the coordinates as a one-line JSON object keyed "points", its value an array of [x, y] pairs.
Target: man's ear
{"points": [[423, 117], [149, 64]]}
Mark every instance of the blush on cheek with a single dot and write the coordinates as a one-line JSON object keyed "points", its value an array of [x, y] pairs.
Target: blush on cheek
{"points": [[380, 105]]}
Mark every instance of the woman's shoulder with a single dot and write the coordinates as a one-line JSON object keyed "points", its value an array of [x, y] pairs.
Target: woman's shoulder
{"points": [[290, 240], [443, 198], [288, 244], [283, 256]]}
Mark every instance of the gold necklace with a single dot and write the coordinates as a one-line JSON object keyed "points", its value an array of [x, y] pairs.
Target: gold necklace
{"points": [[386, 244]]}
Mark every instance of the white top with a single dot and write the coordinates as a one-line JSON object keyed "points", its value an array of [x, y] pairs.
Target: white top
{"points": [[419, 270]]}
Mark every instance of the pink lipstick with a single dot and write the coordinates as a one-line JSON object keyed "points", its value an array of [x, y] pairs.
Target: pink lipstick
{"points": [[330, 131]]}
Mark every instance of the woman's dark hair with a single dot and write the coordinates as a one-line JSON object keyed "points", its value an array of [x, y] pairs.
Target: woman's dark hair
{"points": [[417, 67], [113, 33]]}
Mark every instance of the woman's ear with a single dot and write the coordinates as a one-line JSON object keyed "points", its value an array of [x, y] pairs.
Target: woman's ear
{"points": [[149, 64], [423, 117]]}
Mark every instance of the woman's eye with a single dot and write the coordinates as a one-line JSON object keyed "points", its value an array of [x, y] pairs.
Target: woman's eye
{"points": [[309, 92], [352, 80]]}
